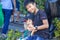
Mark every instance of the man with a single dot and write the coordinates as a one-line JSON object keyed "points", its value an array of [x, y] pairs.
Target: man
{"points": [[39, 25], [7, 10]]}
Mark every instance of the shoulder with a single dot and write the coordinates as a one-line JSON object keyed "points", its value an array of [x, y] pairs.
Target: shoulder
{"points": [[42, 12]]}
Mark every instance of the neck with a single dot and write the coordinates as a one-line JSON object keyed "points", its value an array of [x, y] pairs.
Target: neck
{"points": [[36, 10]]}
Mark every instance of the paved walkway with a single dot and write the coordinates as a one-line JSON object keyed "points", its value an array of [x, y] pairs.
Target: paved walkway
{"points": [[18, 25]]}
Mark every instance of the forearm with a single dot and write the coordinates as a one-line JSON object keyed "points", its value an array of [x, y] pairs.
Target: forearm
{"points": [[14, 3], [42, 27]]}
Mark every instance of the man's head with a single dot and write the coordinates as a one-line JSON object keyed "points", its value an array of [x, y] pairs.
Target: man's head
{"points": [[30, 5]]}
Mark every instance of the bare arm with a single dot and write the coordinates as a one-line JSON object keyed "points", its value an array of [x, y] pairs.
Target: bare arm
{"points": [[44, 26], [14, 2]]}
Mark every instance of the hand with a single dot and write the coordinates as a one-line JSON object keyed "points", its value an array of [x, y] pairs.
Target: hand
{"points": [[30, 27], [32, 33]]}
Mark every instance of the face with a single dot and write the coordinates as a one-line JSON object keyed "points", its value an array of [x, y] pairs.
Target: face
{"points": [[31, 7]]}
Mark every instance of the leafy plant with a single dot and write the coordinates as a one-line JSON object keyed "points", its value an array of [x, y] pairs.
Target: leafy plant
{"points": [[13, 35], [56, 22], [10, 34], [40, 4], [22, 8]]}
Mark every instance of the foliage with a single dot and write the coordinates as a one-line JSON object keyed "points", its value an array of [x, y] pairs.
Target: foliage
{"points": [[56, 22], [13, 35], [22, 8], [40, 3]]}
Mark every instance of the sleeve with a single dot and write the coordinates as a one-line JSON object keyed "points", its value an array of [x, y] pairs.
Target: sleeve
{"points": [[43, 15]]}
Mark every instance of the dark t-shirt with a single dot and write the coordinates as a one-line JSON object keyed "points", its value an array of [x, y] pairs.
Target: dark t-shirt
{"points": [[37, 21]]}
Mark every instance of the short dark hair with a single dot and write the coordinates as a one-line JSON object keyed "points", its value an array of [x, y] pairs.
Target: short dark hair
{"points": [[26, 2]]}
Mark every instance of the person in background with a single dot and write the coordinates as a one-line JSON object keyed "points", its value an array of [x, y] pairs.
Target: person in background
{"points": [[53, 7], [51, 11], [39, 26], [7, 11], [17, 10]]}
